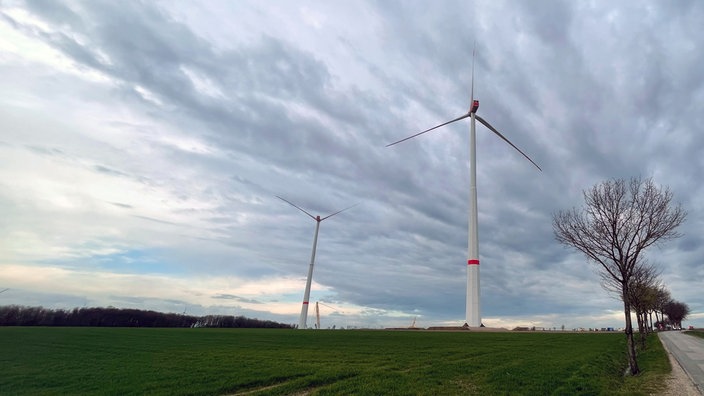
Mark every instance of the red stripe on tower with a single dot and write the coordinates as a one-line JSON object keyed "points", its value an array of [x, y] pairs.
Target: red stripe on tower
{"points": [[305, 302], [472, 262]]}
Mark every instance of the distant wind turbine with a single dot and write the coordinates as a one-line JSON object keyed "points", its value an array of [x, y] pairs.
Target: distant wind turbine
{"points": [[473, 316], [306, 295]]}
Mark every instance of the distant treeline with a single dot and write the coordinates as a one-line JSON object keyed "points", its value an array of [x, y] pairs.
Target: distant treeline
{"points": [[16, 315]]}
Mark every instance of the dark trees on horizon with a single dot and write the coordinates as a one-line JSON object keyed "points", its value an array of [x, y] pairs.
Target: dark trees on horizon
{"points": [[16, 315]]}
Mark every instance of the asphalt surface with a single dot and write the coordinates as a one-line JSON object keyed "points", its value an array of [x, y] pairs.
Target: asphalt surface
{"points": [[689, 352]]}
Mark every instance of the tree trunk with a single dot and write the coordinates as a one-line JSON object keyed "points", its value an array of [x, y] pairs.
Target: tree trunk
{"points": [[642, 323], [650, 315], [632, 363]]}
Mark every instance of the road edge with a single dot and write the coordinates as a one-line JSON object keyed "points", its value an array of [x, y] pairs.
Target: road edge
{"points": [[673, 384]]}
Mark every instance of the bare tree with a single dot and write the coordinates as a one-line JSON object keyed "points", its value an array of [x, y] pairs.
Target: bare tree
{"points": [[651, 305], [662, 298], [642, 291], [619, 220], [676, 312]]}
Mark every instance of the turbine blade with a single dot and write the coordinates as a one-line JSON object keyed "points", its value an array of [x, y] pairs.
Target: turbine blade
{"points": [[428, 130], [472, 94], [486, 124], [339, 211], [297, 207]]}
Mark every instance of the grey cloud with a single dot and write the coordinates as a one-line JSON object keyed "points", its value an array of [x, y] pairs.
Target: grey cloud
{"points": [[236, 298], [121, 205], [155, 220], [109, 171], [588, 99]]}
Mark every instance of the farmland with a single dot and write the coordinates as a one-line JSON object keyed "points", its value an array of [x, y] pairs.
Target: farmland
{"points": [[57, 360]]}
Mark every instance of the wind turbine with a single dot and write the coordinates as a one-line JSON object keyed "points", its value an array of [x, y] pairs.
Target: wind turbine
{"points": [[473, 315], [306, 295], [317, 313]]}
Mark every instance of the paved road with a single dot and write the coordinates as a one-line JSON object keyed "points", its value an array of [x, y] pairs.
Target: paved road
{"points": [[689, 352]]}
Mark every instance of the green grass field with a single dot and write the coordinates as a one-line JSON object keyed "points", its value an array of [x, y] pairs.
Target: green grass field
{"points": [[121, 361]]}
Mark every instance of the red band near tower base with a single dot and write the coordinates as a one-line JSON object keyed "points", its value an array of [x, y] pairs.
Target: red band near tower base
{"points": [[472, 262], [305, 302]]}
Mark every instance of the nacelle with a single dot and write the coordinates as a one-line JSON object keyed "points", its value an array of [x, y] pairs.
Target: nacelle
{"points": [[475, 106]]}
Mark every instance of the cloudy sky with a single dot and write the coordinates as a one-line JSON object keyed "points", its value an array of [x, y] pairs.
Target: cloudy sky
{"points": [[143, 144]]}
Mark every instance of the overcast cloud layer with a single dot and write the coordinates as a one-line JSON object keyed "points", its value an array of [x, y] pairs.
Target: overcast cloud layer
{"points": [[143, 144]]}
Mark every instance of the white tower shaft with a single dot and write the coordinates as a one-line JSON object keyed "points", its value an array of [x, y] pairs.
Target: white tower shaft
{"points": [[473, 314], [306, 295]]}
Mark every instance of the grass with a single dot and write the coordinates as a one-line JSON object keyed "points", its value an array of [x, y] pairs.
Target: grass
{"points": [[110, 361], [696, 333]]}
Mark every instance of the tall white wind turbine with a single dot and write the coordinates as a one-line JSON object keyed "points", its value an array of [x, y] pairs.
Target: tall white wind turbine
{"points": [[306, 295], [473, 314]]}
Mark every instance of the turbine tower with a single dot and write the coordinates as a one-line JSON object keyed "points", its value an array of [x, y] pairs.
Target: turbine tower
{"points": [[473, 313], [306, 295]]}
